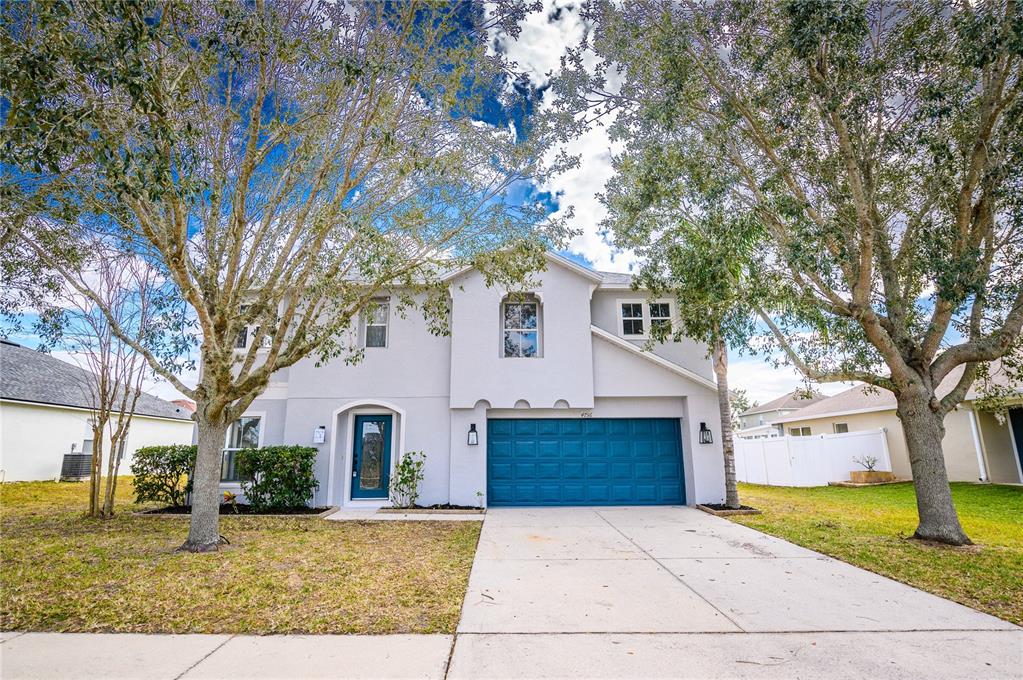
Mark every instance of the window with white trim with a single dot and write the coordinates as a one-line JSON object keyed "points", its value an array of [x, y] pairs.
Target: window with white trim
{"points": [[841, 428], [660, 315], [799, 431], [249, 332], [632, 319], [377, 315], [243, 433], [520, 327], [242, 340], [637, 317]]}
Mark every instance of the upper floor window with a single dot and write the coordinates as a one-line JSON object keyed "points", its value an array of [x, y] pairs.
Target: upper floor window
{"points": [[637, 317], [243, 335], [632, 318], [376, 323], [249, 333], [660, 315], [520, 332]]}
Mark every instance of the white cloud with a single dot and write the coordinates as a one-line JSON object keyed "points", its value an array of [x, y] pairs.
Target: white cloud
{"points": [[763, 382], [538, 49]]}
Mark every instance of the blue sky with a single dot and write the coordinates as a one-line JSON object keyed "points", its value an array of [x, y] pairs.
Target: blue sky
{"points": [[537, 52]]}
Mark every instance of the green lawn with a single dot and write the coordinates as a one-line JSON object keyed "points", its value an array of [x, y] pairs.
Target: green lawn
{"points": [[870, 527], [62, 572]]}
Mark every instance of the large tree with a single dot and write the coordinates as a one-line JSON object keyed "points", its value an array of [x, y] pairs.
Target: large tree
{"points": [[281, 163], [880, 144]]}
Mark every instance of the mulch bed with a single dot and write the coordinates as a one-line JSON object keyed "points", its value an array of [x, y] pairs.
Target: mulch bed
{"points": [[722, 510], [242, 509], [438, 508]]}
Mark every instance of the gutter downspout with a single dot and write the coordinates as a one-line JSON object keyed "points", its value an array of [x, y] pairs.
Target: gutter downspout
{"points": [[976, 445]]}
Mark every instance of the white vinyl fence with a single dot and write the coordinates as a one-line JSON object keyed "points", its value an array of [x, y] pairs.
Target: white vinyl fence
{"points": [[808, 461]]}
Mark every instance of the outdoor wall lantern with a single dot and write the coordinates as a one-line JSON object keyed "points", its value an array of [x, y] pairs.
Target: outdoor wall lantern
{"points": [[474, 436], [705, 434]]}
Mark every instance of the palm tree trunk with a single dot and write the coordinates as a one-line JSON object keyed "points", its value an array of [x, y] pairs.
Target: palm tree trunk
{"points": [[720, 357]]}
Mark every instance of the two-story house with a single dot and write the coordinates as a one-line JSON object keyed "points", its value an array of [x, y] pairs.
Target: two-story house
{"points": [[543, 396]]}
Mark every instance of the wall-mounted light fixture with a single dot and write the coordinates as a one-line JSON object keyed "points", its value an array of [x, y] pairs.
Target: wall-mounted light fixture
{"points": [[706, 437], [474, 436], [320, 434]]}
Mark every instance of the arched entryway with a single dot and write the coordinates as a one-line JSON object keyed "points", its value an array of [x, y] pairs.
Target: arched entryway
{"points": [[368, 436]]}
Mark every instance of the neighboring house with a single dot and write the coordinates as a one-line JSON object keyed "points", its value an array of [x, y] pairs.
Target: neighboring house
{"points": [[976, 445], [45, 412], [759, 421], [539, 396]]}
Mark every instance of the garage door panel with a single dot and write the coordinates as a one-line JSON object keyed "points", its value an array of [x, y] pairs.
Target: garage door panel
{"points": [[500, 428], [644, 470], [548, 470], [596, 461], [501, 471], [569, 426]]}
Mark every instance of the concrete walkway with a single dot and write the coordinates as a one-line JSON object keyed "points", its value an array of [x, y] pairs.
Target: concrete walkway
{"points": [[601, 593]]}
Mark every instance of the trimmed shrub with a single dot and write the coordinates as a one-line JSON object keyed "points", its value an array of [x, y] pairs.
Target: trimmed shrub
{"points": [[277, 477], [408, 476], [163, 473]]}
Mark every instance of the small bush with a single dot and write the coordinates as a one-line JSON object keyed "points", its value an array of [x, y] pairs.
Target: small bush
{"points": [[408, 476], [277, 477], [162, 473]]}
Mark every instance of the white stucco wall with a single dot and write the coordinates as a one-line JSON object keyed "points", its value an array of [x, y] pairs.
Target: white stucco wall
{"points": [[563, 372], [34, 438], [686, 353]]}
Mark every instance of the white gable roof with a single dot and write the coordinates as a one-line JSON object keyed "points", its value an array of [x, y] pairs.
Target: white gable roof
{"points": [[552, 257]]}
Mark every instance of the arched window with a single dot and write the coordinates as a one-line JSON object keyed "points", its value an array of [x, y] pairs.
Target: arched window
{"points": [[521, 327]]}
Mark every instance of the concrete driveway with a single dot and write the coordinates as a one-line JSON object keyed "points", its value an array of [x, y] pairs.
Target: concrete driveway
{"points": [[674, 592]]}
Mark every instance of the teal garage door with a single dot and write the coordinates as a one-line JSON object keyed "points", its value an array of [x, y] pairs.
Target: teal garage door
{"points": [[584, 461]]}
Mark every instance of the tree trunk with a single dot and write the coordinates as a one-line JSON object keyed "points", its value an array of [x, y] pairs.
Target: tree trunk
{"points": [[725, 409], [204, 530], [96, 468], [116, 456], [924, 431]]}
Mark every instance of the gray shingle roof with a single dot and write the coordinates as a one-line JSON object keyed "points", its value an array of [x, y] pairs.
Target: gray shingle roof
{"points": [[862, 397], [794, 399], [28, 375], [616, 277]]}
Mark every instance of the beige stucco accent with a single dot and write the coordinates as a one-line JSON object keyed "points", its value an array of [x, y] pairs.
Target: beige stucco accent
{"points": [[958, 444]]}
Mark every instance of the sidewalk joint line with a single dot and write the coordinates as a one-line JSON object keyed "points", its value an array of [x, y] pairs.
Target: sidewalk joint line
{"points": [[205, 656], [465, 598]]}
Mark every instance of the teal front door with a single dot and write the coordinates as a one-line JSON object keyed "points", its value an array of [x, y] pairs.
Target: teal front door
{"points": [[371, 457]]}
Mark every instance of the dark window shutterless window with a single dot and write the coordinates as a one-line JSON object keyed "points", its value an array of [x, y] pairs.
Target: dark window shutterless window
{"points": [[660, 315], [632, 318]]}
